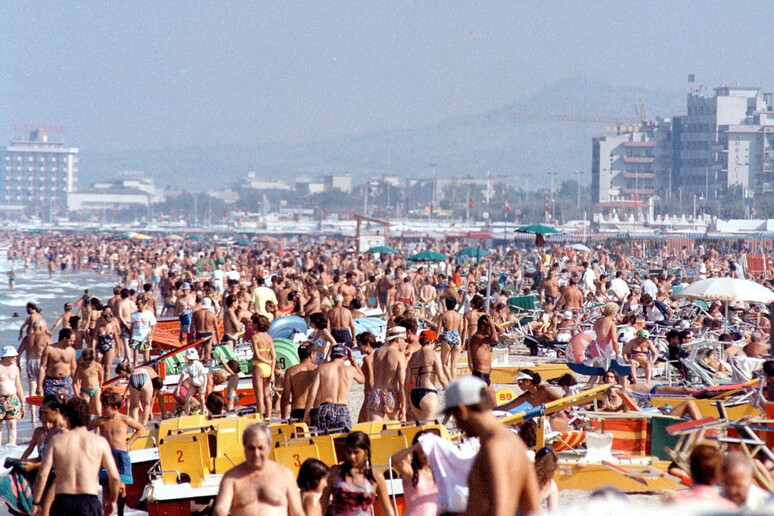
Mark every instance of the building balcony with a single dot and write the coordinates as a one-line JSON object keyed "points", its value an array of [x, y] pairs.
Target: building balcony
{"points": [[638, 159], [639, 144], [639, 175], [638, 191]]}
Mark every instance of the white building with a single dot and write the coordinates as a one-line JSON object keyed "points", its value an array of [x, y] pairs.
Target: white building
{"points": [[39, 174], [341, 182], [115, 195]]}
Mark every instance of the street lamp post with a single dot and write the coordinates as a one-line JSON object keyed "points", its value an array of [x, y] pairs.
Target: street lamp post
{"points": [[579, 174]]}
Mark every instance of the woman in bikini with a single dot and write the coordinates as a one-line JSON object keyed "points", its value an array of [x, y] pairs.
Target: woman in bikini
{"points": [[264, 358], [144, 384], [321, 339], [107, 334], [424, 367], [641, 353]]}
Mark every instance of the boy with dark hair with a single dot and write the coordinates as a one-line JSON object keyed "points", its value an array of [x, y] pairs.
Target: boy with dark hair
{"points": [[113, 426]]}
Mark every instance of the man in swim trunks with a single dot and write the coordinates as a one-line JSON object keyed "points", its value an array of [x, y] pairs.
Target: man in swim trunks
{"points": [[348, 289], [387, 399], [57, 365], [331, 385], [342, 323], [571, 298], [11, 393], [298, 380], [405, 292], [113, 426], [478, 350], [34, 344], [205, 323], [126, 307], [142, 322], [76, 455]]}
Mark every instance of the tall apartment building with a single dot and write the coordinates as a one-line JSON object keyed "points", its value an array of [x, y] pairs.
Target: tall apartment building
{"points": [[39, 173], [724, 140], [629, 168]]}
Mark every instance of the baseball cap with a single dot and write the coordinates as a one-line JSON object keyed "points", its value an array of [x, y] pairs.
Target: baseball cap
{"points": [[428, 334], [9, 351], [645, 334], [186, 286], [465, 390], [396, 332], [191, 354], [338, 350]]}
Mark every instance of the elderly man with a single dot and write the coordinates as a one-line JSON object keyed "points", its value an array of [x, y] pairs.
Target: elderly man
{"points": [[258, 485], [738, 484], [502, 480]]}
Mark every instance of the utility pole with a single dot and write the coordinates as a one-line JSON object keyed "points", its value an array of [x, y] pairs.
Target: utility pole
{"points": [[578, 173]]}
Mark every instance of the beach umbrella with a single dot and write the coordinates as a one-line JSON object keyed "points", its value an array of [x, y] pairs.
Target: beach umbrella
{"points": [[244, 242], [473, 252], [728, 289], [266, 239], [128, 235], [195, 237], [427, 256], [140, 236], [382, 249], [174, 237], [540, 231], [580, 247]]}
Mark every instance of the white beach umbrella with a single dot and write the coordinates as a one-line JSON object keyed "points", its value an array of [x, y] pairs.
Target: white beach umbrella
{"points": [[728, 289]]}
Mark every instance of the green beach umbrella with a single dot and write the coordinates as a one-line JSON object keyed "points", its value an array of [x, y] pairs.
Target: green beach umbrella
{"points": [[244, 242], [473, 252], [427, 256], [195, 237], [539, 230], [382, 249]]}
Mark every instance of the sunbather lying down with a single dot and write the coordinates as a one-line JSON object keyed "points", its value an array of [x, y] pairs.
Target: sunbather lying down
{"points": [[619, 400]]}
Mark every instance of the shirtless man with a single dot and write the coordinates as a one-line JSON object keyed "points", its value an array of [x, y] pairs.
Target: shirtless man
{"points": [[76, 455], [382, 286], [34, 344], [502, 481], [756, 348], [448, 325], [113, 426], [571, 298], [11, 393], [348, 290], [641, 353], [57, 365], [184, 305], [330, 387], [298, 380], [470, 319], [405, 292], [388, 398], [205, 323], [126, 307], [550, 288], [258, 485], [342, 323], [478, 350], [33, 314]]}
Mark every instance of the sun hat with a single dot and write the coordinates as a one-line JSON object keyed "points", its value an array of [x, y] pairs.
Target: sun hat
{"points": [[9, 351], [396, 332], [192, 354]]}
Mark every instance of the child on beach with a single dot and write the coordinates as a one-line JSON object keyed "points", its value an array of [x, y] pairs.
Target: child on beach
{"points": [[545, 468], [232, 397], [88, 379], [114, 426]]}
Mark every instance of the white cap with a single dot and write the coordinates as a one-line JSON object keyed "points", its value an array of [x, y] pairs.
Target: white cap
{"points": [[465, 390], [192, 354], [396, 332], [207, 303], [567, 314], [9, 351], [523, 376]]}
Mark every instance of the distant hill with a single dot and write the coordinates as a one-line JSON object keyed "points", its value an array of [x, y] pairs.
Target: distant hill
{"points": [[506, 142]]}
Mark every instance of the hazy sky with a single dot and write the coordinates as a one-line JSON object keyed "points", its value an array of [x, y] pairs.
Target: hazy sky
{"points": [[148, 75]]}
